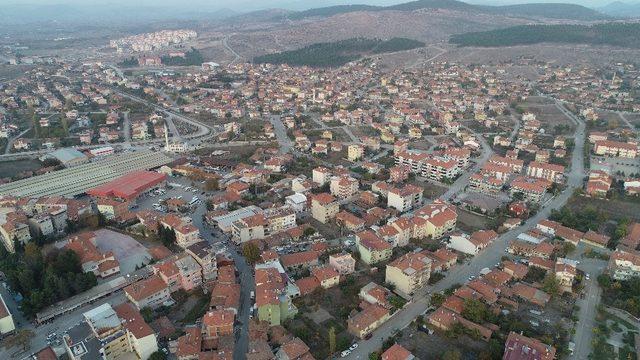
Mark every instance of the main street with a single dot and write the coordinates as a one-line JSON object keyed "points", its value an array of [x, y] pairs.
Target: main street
{"points": [[488, 258], [588, 305], [463, 180]]}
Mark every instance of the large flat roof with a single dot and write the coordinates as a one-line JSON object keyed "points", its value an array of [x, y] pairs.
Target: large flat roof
{"points": [[129, 186], [79, 179]]}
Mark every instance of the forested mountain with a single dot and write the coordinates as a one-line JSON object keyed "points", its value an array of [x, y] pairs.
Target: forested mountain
{"points": [[339, 52], [547, 10], [615, 34]]}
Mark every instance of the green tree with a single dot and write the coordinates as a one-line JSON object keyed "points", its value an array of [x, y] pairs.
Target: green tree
{"points": [[211, 185], [251, 252], [474, 310], [158, 355], [551, 285], [374, 356], [438, 299], [332, 340], [21, 338], [452, 355]]}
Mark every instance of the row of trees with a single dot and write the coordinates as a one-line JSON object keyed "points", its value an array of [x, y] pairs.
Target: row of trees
{"points": [[616, 34], [337, 53], [44, 279]]}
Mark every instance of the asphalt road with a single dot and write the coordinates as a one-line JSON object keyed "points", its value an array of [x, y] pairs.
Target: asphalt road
{"points": [[587, 313]]}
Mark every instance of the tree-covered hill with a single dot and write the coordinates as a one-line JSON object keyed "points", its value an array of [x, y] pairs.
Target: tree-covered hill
{"points": [[614, 34], [339, 52], [546, 10]]}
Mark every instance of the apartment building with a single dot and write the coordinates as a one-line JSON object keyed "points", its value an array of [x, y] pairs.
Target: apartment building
{"points": [[324, 207], [180, 272], [343, 187], [321, 175], [549, 172], [355, 152], [110, 333], [409, 272], [615, 149], [366, 321], [343, 263], [249, 228], [372, 248], [405, 198], [217, 323], [439, 170], [520, 347], [440, 219], [151, 292], [624, 264], [204, 254]]}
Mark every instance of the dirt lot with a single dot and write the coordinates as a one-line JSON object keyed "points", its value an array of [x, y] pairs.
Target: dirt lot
{"points": [[431, 191], [12, 168], [470, 222], [546, 113], [431, 347]]}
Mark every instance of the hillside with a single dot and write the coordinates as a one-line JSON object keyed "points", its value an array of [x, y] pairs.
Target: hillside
{"points": [[546, 10], [339, 52], [621, 9], [615, 34]]}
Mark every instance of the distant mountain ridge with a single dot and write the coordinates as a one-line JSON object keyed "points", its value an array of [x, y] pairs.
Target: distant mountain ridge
{"points": [[621, 9], [547, 10]]}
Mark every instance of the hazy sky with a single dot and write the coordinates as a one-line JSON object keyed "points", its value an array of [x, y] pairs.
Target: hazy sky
{"points": [[239, 4]]}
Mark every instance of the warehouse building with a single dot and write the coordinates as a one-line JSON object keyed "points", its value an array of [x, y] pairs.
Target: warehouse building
{"points": [[79, 179], [129, 186], [69, 157]]}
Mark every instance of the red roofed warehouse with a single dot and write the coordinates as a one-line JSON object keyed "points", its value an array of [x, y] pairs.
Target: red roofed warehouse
{"points": [[130, 186]]}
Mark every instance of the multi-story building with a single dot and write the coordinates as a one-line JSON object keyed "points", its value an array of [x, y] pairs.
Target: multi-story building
{"points": [[151, 292], [180, 272], [343, 187], [440, 219], [624, 264], [321, 175], [324, 207], [549, 172], [366, 321], [249, 228], [372, 248], [217, 323], [355, 152], [204, 254], [436, 169], [409, 272], [615, 149], [111, 333], [101, 264], [520, 347], [404, 198], [343, 263], [279, 219]]}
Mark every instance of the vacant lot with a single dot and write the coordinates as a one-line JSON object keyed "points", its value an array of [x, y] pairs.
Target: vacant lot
{"points": [[10, 169], [614, 209], [126, 249], [547, 113], [431, 347], [470, 222]]}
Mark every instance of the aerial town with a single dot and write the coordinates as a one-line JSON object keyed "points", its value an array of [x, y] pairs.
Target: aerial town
{"points": [[164, 195]]}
